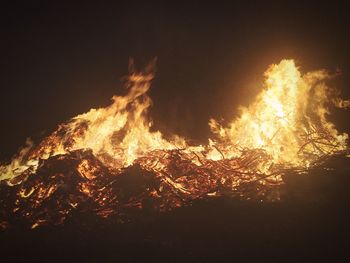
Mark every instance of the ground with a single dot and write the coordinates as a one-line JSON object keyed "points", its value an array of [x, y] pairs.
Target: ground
{"points": [[311, 224]]}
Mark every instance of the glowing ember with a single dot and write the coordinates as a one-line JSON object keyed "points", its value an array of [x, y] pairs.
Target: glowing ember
{"points": [[108, 161]]}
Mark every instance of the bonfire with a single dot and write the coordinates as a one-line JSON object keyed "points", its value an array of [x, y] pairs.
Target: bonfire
{"points": [[109, 163]]}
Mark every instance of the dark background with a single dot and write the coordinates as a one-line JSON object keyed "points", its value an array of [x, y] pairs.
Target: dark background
{"points": [[61, 59]]}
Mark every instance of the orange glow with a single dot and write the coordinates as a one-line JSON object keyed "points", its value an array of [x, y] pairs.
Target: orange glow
{"points": [[288, 119], [286, 127]]}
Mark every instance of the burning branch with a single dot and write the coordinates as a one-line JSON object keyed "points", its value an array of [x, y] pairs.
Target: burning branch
{"points": [[108, 161]]}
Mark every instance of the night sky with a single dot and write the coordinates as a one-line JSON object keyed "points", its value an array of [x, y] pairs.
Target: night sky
{"points": [[61, 59]]}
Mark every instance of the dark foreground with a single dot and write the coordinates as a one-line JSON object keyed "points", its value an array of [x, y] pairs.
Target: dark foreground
{"points": [[311, 223]]}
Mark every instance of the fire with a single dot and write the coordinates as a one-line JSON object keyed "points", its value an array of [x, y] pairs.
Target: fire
{"points": [[117, 134], [288, 119], [109, 161]]}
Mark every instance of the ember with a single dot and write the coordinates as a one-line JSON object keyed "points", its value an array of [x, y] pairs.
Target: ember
{"points": [[108, 162]]}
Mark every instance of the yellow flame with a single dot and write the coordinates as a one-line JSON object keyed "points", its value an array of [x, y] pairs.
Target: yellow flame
{"points": [[288, 120], [117, 134]]}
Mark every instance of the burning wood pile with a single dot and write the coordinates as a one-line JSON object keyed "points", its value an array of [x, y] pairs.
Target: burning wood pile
{"points": [[107, 163]]}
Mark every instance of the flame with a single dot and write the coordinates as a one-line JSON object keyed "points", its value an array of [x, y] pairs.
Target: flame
{"points": [[117, 134], [286, 128], [288, 119]]}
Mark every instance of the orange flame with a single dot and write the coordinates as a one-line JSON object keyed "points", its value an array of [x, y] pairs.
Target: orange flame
{"points": [[288, 121]]}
